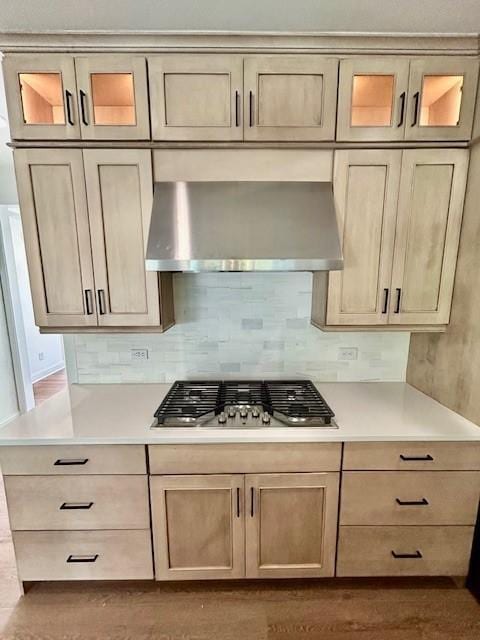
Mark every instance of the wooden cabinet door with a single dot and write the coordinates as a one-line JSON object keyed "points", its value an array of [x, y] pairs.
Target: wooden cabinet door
{"points": [[113, 97], [53, 204], [372, 98], [366, 190], [119, 191], [290, 98], [198, 526], [41, 92], [442, 94], [196, 97], [430, 208], [291, 524]]}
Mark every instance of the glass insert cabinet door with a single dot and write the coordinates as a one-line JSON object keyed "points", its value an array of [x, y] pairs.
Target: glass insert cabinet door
{"points": [[441, 98], [41, 97], [112, 96], [372, 99]]}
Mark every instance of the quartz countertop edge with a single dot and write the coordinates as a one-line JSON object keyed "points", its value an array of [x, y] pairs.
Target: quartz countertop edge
{"points": [[122, 414]]}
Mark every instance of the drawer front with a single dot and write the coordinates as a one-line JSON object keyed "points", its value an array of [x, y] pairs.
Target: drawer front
{"points": [[244, 458], [77, 502], [404, 551], [72, 460], [415, 497], [414, 456], [83, 555]]}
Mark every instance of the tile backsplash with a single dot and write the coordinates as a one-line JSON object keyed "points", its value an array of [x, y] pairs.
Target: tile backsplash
{"points": [[241, 325]]}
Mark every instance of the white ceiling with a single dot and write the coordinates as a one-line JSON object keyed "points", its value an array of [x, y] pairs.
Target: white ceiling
{"points": [[402, 16]]}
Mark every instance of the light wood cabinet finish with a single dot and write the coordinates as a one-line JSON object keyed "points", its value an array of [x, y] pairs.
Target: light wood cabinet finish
{"points": [[438, 68], [412, 456], [53, 205], [49, 67], [291, 525], [198, 526], [77, 502], [430, 208], [409, 498], [114, 98], [380, 96], [196, 97], [290, 98], [365, 188], [368, 551], [99, 459], [244, 458], [119, 191], [99, 555]]}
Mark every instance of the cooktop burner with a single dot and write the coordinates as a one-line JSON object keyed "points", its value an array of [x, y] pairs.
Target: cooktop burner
{"points": [[244, 404]]}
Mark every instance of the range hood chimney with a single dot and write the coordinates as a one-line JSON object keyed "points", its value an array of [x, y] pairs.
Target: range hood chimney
{"points": [[243, 226]]}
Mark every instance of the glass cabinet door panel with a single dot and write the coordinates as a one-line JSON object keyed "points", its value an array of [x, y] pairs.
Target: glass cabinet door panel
{"points": [[441, 100], [372, 100], [113, 98], [42, 98]]}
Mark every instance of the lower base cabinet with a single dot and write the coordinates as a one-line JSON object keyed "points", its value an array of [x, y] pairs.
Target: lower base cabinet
{"points": [[254, 525]]}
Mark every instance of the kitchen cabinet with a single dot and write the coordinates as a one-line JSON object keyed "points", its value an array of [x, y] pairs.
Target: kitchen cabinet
{"points": [[291, 524], [198, 526], [399, 215], [85, 235], [290, 98], [394, 99], [196, 97], [58, 97]]}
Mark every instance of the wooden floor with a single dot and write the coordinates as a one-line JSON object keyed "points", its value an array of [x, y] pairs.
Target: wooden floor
{"points": [[49, 386]]}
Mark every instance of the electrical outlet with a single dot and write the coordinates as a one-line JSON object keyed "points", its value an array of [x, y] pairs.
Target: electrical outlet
{"points": [[347, 353], [139, 354], [41, 355]]}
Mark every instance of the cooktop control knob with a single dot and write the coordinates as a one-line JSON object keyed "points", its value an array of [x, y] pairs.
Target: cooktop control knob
{"points": [[243, 413], [266, 418], [222, 418], [255, 412], [231, 412]]}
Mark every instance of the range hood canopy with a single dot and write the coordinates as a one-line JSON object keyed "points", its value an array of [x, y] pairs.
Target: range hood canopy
{"points": [[243, 226]]}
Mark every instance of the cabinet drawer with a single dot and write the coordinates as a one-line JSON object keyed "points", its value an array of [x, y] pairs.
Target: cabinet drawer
{"points": [[244, 458], [415, 497], [77, 502], [72, 460], [416, 456], [83, 555], [385, 551]]}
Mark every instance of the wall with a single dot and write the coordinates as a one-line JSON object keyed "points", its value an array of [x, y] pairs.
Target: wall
{"points": [[241, 325], [8, 188], [428, 16], [8, 393]]}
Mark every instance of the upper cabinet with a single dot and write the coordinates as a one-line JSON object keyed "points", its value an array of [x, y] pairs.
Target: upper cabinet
{"points": [[196, 97], [290, 98], [395, 99], [59, 97]]}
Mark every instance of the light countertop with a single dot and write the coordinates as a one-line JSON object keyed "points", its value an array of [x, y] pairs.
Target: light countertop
{"points": [[122, 414]]}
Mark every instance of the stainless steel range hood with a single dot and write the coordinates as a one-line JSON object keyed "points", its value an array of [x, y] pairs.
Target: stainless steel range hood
{"points": [[243, 226]]}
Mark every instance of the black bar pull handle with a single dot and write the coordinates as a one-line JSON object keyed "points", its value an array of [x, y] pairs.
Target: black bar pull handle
{"points": [[416, 103], [426, 458], [250, 101], [237, 108], [74, 558], [83, 107], [402, 109], [416, 555], [412, 503], [399, 295], [252, 502], [70, 462], [238, 502], [89, 302], [385, 300], [76, 505], [101, 302], [68, 105]]}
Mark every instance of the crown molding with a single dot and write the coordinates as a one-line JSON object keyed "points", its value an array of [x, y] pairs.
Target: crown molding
{"points": [[247, 42]]}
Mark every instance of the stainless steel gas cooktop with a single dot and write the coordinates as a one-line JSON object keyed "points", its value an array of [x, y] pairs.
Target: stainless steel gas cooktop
{"points": [[250, 404]]}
